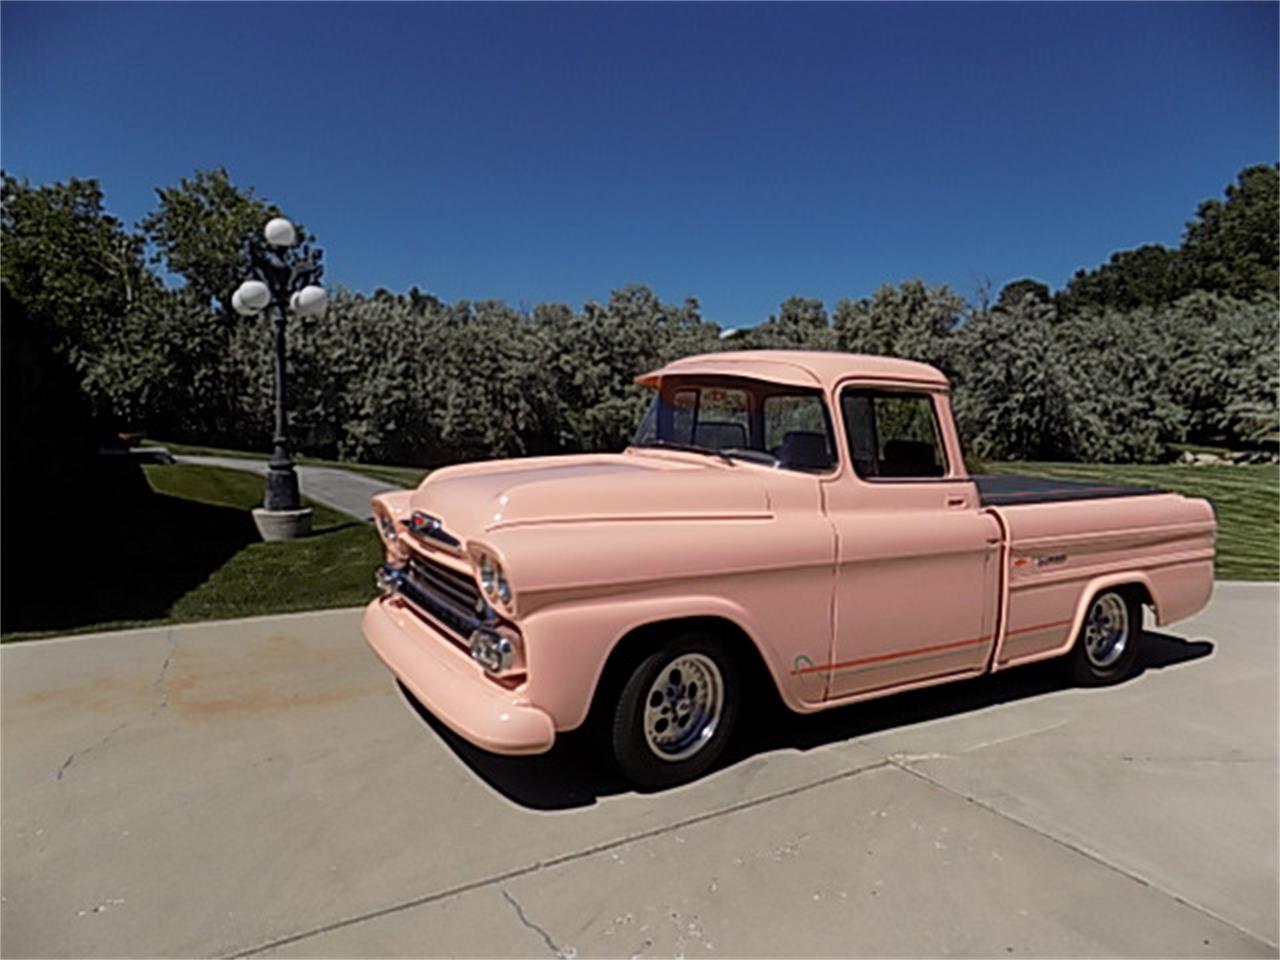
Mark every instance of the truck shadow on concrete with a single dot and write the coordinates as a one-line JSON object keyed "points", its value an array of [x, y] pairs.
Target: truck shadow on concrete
{"points": [[573, 775]]}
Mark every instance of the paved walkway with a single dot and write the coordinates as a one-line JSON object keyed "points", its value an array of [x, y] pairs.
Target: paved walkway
{"points": [[258, 787], [341, 489]]}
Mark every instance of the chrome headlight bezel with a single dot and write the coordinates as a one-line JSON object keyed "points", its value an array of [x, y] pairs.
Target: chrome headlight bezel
{"points": [[393, 538], [489, 574], [492, 579], [387, 528]]}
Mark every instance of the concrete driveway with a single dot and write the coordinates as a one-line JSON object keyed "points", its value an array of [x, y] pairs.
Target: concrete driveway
{"points": [[261, 787]]}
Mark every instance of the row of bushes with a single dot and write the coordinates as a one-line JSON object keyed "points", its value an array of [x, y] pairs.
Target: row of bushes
{"points": [[410, 379], [1153, 348]]}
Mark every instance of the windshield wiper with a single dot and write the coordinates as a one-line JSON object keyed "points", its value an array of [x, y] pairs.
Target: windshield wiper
{"points": [[685, 447]]}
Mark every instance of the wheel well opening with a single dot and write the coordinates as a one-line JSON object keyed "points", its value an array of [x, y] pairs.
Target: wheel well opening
{"points": [[1135, 590], [1138, 590], [636, 643]]}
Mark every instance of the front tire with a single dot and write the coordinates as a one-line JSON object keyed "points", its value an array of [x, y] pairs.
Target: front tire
{"points": [[676, 711], [1107, 648]]}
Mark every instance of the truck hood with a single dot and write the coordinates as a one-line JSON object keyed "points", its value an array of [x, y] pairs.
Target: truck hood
{"points": [[475, 498]]}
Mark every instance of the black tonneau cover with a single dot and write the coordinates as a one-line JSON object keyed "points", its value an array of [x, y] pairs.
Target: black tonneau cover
{"points": [[1009, 489]]}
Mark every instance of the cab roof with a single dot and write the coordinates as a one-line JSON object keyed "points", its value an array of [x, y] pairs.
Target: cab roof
{"points": [[800, 368]]}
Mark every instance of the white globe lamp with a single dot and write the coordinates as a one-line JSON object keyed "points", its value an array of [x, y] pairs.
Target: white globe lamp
{"points": [[253, 296], [280, 232], [310, 301]]}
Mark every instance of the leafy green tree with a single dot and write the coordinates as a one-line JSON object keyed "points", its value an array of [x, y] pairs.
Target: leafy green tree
{"points": [[911, 320], [1117, 367], [595, 355], [71, 265], [1224, 368], [1013, 293], [1011, 398], [489, 393], [198, 228], [1148, 276], [364, 388], [356, 379], [801, 323], [1233, 247]]}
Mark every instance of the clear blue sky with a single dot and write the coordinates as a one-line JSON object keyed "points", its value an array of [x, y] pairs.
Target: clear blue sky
{"points": [[737, 153]]}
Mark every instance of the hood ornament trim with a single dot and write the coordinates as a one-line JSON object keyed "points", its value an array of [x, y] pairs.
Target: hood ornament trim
{"points": [[426, 527]]}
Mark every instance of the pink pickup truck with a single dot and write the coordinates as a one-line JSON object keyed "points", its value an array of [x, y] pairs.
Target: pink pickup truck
{"points": [[802, 518]]}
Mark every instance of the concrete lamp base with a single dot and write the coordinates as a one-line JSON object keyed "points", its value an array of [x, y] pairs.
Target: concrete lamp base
{"points": [[282, 524]]}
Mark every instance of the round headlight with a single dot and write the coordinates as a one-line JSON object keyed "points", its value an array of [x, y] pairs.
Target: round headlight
{"points": [[504, 588], [488, 576], [387, 526]]}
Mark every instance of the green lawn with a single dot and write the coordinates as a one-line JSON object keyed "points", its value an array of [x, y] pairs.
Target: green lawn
{"points": [[1247, 499], [409, 477], [188, 551], [401, 476]]}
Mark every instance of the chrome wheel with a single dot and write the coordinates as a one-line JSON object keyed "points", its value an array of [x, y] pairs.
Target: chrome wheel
{"points": [[1106, 630], [683, 706]]}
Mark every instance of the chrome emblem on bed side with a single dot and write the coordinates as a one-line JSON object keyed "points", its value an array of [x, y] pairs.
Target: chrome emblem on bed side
{"points": [[1051, 558]]}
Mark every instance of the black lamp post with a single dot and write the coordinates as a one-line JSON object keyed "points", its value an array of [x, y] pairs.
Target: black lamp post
{"points": [[281, 275]]}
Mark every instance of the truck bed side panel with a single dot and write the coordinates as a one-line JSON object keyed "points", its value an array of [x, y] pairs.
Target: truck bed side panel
{"points": [[1060, 553]]}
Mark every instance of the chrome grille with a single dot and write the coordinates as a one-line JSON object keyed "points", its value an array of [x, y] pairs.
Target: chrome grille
{"points": [[446, 595]]}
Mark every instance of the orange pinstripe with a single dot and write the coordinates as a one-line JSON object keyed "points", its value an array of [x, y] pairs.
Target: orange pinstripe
{"points": [[954, 645]]}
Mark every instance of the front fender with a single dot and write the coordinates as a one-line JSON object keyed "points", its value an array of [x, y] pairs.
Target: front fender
{"points": [[568, 645]]}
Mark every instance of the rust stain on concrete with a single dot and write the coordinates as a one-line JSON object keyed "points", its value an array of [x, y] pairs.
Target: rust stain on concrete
{"points": [[277, 674], [102, 693], [190, 696]]}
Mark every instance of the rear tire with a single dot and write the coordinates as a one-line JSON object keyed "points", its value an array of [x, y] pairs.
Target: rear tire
{"points": [[1106, 649], [676, 711]]}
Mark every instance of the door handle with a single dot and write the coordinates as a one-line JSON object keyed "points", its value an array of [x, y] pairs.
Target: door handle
{"points": [[956, 502]]}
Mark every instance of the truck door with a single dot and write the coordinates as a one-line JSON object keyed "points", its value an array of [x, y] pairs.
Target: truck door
{"points": [[917, 561]]}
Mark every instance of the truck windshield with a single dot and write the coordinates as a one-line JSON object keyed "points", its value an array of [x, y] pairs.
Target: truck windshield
{"points": [[760, 422]]}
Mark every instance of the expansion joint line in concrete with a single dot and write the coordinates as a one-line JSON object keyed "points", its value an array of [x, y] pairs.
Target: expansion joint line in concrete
{"points": [[519, 872], [1081, 851]]}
